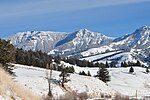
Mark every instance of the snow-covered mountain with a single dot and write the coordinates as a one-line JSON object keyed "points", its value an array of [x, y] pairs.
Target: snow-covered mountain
{"points": [[59, 42], [81, 40], [37, 40], [84, 44], [130, 47], [140, 39]]}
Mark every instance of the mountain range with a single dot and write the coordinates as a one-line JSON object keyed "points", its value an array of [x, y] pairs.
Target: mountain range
{"points": [[85, 44]]}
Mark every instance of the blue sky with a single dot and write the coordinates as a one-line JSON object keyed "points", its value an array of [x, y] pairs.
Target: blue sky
{"points": [[110, 17]]}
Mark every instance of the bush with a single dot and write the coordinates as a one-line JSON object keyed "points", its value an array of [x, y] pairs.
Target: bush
{"points": [[70, 96], [118, 96]]}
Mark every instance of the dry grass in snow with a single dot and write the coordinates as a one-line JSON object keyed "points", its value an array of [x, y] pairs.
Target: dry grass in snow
{"points": [[9, 90]]}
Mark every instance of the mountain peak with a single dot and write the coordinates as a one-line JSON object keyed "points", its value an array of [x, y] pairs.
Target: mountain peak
{"points": [[83, 29], [143, 28]]}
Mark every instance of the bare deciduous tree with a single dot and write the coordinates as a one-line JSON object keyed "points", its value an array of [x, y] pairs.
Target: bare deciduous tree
{"points": [[49, 77]]}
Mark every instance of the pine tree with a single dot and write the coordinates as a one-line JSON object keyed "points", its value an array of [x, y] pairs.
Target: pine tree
{"points": [[7, 55], [82, 73], [64, 74], [138, 63], [131, 70], [103, 74], [147, 70], [88, 74], [107, 65], [57, 59]]}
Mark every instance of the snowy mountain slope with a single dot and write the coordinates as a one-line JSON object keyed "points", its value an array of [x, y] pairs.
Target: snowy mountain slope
{"points": [[134, 46], [37, 40], [127, 84], [139, 39], [59, 42], [34, 79], [122, 81], [100, 56], [82, 40], [114, 56], [84, 43], [95, 51]]}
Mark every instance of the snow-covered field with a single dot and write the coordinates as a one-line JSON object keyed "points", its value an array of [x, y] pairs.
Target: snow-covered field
{"points": [[121, 81], [35, 79], [99, 56], [128, 84]]}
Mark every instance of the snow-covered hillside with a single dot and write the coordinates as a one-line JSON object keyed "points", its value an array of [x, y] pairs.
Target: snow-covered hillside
{"points": [[114, 56], [35, 79], [139, 39], [123, 82], [10, 90], [133, 47], [59, 42], [128, 84], [85, 44]]}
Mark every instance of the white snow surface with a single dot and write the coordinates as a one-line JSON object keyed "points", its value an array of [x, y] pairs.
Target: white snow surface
{"points": [[95, 57], [121, 81], [34, 79], [94, 51]]}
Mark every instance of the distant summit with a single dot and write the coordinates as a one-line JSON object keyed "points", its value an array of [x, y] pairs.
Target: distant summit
{"points": [[86, 42]]}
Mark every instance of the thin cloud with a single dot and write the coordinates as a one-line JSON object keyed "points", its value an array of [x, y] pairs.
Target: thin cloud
{"points": [[32, 7]]}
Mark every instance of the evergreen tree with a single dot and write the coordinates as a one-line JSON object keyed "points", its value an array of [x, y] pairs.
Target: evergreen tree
{"points": [[64, 74], [7, 55], [82, 73], [113, 64], [57, 59], [147, 70], [124, 64], [138, 63], [107, 65], [70, 69], [103, 74], [131, 70], [88, 74]]}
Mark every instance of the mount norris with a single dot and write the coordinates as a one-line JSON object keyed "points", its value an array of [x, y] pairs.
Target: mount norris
{"points": [[88, 45]]}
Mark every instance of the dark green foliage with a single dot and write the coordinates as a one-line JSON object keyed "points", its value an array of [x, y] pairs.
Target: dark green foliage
{"points": [[57, 59], [131, 70], [103, 74], [138, 63], [81, 63], [107, 65], [97, 64], [88, 74], [130, 63], [124, 64], [59, 68], [7, 52], [64, 74], [37, 58], [70, 69], [7, 55], [134, 64], [82, 73], [147, 70], [113, 64], [102, 65]]}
